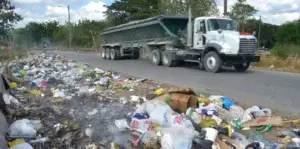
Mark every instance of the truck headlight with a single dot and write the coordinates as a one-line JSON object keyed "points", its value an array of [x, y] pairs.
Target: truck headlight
{"points": [[225, 50]]}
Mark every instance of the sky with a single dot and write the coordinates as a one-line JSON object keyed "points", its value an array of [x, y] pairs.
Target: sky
{"points": [[272, 11]]}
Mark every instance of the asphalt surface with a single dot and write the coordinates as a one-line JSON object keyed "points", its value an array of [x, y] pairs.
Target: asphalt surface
{"points": [[276, 90]]}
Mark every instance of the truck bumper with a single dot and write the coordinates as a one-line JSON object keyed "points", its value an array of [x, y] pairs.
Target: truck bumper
{"points": [[238, 59]]}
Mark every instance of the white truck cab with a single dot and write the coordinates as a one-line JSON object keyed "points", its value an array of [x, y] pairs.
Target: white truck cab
{"points": [[222, 35]]}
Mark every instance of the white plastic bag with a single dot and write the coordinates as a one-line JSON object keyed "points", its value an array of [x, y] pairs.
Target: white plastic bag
{"points": [[8, 99], [24, 128], [121, 124], [178, 137], [236, 112], [159, 112], [140, 125]]}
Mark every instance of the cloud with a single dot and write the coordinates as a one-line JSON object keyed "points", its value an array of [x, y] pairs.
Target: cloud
{"points": [[92, 10], [272, 11], [26, 1]]}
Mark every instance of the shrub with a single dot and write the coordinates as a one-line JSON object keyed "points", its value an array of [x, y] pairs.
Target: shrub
{"points": [[285, 50]]}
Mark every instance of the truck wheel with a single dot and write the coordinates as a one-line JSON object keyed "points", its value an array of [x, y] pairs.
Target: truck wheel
{"points": [[107, 53], [212, 62], [103, 55], [156, 57], [136, 54], [241, 67], [113, 54], [118, 54], [167, 60]]}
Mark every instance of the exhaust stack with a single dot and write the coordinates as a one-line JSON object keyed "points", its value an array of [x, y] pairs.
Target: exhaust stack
{"points": [[190, 29]]}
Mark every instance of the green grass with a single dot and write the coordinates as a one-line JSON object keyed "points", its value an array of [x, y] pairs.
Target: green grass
{"points": [[286, 50]]}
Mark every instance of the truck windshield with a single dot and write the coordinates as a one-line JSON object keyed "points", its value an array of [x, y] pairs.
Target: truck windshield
{"points": [[216, 24]]}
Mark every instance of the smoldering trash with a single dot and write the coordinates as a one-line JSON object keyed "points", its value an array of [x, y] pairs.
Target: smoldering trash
{"points": [[56, 103]]}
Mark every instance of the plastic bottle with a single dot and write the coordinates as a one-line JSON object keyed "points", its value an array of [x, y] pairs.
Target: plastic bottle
{"points": [[240, 140]]}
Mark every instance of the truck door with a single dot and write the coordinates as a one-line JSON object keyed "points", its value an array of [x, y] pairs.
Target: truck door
{"points": [[199, 34]]}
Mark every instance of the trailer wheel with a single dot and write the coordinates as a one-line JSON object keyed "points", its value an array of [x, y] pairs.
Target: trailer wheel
{"points": [[212, 62], [107, 53], [241, 67], [156, 57], [103, 55], [136, 54], [118, 54], [113, 54], [167, 60]]}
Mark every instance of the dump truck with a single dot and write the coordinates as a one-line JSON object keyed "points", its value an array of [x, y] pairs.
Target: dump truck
{"points": [[171, 40]]}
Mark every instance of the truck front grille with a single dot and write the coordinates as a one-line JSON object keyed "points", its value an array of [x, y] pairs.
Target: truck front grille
{"points": [[247, 46]]}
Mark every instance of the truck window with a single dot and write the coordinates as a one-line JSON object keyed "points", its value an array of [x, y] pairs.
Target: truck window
{"points": [[202, 27], [216, 24]]}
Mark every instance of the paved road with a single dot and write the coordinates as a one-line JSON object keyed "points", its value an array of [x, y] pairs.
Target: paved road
{"points": [[276, 90]]}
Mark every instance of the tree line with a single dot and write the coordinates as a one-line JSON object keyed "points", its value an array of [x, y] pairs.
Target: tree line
{"points": [[85, 33]]}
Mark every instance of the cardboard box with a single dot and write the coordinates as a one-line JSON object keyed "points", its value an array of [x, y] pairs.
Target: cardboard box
{"points": [[179, 101], [275, 121]]}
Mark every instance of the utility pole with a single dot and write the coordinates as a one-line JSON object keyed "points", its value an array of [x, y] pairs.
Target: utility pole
{"points": [[69, 27], [225, 8], [258, 42]]}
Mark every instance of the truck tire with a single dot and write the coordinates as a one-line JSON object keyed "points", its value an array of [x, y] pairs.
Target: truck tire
{"points": [[103, 54], [113, 54], [167, 60], [241, 67], [118, 54], [156, 57], [136, 54], [212, 62], [107, 53]]}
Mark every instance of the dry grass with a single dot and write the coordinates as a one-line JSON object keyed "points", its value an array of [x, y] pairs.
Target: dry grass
{"points": [[271, 62]]}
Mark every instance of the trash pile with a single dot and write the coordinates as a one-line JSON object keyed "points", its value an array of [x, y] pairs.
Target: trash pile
{"points": [[58, 103]]}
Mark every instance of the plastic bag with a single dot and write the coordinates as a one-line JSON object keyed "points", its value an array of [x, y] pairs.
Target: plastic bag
{"points": [[159, 112], [227, 103], [22, 146], [236, 112], [24, 128], [140, 125], [121, 124], [178, 137], [217, 99], [58, 93], [182, 121], [8, 99], [103, 81]]}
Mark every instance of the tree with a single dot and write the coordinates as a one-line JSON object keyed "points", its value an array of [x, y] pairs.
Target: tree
{"points": [[123, 11], [289, 33], [241, 12], [203, 8], [7, 16], [36, 31]]}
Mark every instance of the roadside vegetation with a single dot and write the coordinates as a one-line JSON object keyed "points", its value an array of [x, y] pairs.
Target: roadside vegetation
{"points": [[283, 40], [285, 55]]}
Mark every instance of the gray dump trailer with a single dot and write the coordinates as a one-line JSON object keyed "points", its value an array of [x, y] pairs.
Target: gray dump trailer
{"points": [[170, 40]]}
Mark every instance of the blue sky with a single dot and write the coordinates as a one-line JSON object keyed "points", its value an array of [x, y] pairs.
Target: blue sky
{"points": [[272, 11]]}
